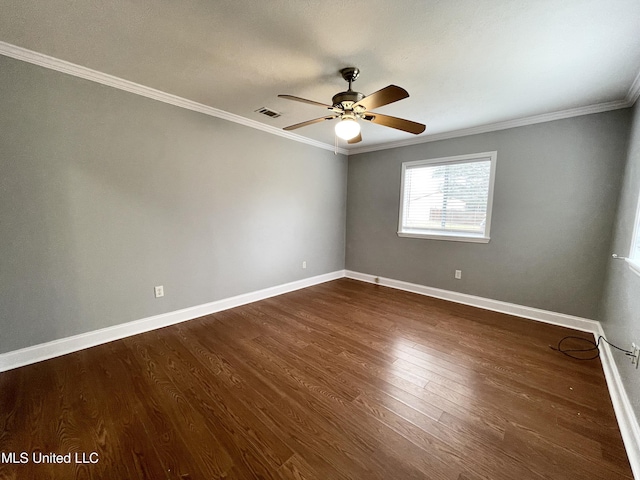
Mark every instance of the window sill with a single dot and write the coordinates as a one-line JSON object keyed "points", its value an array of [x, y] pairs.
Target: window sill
{"points": [[633, 265], [451, 238]]}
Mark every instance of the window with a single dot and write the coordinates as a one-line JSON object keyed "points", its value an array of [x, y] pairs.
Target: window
{"points": [[448, 198], [634, 254]]}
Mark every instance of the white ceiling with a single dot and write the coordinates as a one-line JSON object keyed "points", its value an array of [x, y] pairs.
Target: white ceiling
{"points": [[465, 63]]}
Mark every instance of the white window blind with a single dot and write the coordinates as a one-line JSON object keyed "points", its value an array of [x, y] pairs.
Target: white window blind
{"points": [[448, 198]]}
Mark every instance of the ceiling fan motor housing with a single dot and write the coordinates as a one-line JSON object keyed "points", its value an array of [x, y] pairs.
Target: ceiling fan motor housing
{"points": [[345, 100], [348, 96]]}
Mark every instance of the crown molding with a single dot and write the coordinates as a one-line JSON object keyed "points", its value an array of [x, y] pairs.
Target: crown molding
{"points": [[492, 127], [634, 91], [69, 68]]}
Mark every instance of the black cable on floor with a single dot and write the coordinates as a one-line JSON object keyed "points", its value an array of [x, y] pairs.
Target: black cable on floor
{"points": [[594, 346]]}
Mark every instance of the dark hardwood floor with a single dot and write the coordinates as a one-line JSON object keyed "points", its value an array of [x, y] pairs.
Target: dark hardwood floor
{"points": [[343, 380]]}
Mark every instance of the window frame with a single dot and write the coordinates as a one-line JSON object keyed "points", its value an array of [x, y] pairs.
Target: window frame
{"points": [[453, 236], [634, 263]]}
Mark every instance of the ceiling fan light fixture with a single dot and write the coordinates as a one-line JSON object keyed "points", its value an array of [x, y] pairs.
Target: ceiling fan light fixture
{"points": [[350, 106], [347, 128]]}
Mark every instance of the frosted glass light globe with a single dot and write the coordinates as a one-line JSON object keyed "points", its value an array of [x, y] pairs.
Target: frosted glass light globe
{"points": [[347, 129]]}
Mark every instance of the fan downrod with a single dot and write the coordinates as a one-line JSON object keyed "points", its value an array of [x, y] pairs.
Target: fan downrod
{"points": [[344, 100]]}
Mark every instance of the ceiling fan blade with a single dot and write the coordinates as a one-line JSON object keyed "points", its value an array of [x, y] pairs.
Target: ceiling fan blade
{"points": [[355, 139], [310, 122], [387, 95], [304, 100], [395, 122]]}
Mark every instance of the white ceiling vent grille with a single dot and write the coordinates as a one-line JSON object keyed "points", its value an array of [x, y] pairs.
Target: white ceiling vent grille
{"points": [[268, 112]]}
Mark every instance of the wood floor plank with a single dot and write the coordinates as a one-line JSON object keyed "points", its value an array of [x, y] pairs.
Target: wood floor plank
{"points": [[558, 463], [160, 417], [83, 426], [336, 419], [342, 380], [132, 444], [572, 399], [523, 415], [256, 391], [308, 419], [297, 469], [456, 446], [224, 405]]}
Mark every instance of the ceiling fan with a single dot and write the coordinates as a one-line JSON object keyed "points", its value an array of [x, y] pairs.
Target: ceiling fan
{"points": [[350, 106]]}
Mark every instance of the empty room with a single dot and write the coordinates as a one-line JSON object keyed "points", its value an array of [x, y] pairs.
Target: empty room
{"points": [[320, 240]]}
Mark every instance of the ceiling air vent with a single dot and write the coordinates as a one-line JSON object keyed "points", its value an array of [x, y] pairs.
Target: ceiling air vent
{"points": [[268, 112]]}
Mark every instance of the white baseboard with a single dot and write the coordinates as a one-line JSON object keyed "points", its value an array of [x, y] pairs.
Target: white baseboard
{"points": [[63, 346], [627, 421], [577, 323]]}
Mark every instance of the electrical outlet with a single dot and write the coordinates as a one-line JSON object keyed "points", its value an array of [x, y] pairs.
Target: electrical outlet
{"points": [[458, 274], [159, 291], [304, 264], [635, 359]]}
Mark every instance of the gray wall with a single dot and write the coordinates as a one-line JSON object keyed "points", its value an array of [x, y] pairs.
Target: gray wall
{"points": [[621, 300], [555, 199], [104, 194]]}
